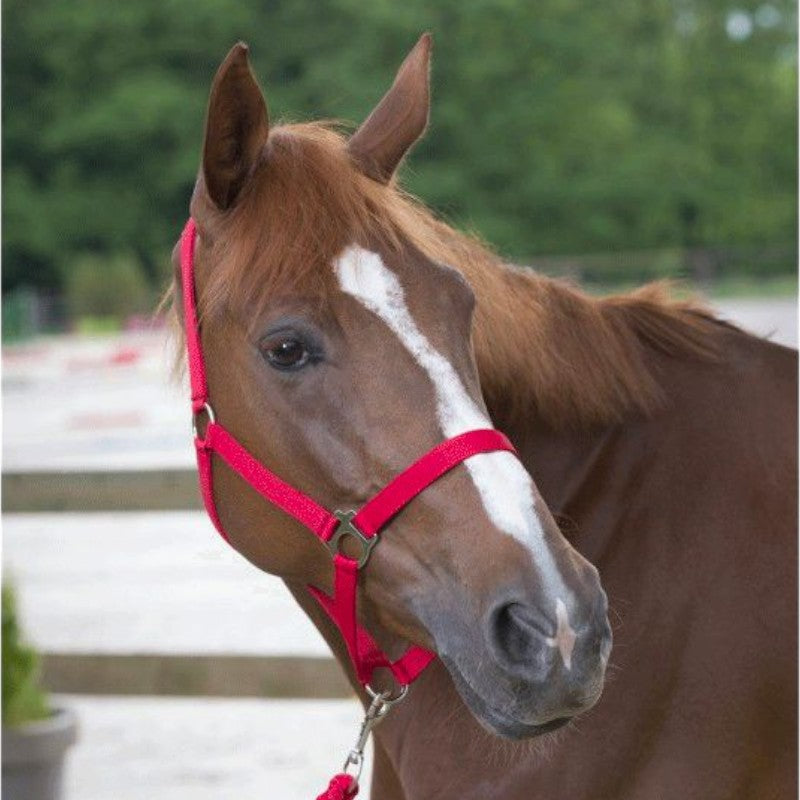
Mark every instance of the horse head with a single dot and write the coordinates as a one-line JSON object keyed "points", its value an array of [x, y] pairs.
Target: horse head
{"points": [[336, 326]]}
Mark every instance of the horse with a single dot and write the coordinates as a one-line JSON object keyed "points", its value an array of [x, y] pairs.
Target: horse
{"points": [[347, 330]]}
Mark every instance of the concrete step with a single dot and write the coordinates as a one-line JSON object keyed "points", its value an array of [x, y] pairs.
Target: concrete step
{"points": [[147, 583], [102, 490], [207, 675]]}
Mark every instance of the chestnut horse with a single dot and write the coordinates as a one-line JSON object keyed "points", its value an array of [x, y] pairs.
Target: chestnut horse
{"points": [[346, 331]]}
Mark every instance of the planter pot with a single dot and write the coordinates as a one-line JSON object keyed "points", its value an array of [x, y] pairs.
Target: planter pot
{"points": [[33, 757]]}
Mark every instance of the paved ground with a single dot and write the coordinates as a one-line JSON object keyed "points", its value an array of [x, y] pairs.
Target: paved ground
{"points": [[93, 403], [183, 749]]}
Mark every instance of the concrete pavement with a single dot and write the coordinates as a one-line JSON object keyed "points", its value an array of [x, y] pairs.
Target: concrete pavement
{"points": [[210, 749]]}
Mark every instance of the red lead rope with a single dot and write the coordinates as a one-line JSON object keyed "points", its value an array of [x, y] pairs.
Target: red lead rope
{"points": [[341, 787], [364, 526]]}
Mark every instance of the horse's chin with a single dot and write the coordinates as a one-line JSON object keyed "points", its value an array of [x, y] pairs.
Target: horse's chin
{"points": [[511, 729], [492, 719]]}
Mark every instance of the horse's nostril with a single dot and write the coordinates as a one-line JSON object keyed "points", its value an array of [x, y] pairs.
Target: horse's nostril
{"points": [[516, 632], [534, 645]]}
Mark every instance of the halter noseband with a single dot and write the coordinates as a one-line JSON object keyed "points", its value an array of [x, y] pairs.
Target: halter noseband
{"points": [[364, 526]]}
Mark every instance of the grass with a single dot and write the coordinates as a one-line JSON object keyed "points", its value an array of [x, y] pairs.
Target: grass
{"points": [[735, 286], [97, 325]]}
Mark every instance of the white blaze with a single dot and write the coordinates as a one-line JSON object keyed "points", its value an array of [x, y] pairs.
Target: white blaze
{"points": [[565, 637], [502, 482]]}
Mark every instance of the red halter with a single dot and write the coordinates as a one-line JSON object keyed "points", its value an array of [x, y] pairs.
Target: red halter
{"points": [[363, 526]]}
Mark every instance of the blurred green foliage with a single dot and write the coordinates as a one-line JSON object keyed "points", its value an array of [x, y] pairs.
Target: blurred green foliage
{"points": [[23, 699], [113, 286], [557, 127]]}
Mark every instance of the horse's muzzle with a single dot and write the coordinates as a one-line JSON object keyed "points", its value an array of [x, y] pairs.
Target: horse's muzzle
{"points": [[528, 669], [553, 663]]}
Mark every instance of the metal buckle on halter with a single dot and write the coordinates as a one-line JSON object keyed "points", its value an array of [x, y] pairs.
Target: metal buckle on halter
{"points": [[347, 528], [208, 411]]}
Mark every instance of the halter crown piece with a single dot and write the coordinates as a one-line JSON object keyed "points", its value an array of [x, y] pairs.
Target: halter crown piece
{"points": [[364, 525]]}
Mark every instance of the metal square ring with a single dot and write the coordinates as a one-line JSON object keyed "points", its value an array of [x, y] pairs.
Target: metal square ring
{"points": [[346, 527], [210, 417]]}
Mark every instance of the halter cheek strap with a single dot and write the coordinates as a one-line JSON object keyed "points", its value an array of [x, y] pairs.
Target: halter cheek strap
{"points": [[363, 526]]}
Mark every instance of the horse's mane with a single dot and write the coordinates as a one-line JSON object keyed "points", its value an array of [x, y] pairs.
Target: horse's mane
{"points": [[578, 360]]}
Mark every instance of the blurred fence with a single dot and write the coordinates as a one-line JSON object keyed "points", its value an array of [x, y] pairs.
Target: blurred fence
{"points": [[28, 312], [701, 265]]}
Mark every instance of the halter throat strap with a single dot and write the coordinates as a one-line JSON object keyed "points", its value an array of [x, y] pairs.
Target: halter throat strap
{"points": [[364, 525]]}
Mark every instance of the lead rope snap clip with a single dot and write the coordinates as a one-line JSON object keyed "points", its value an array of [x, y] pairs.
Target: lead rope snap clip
{"points": [[380, 705]]}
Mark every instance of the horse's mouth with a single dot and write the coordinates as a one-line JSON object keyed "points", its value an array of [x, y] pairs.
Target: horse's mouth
{"points": [[494, 720]]}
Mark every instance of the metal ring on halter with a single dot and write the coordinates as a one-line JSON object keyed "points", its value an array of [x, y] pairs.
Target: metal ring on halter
{"points": [[208, 411], [388, 701]]}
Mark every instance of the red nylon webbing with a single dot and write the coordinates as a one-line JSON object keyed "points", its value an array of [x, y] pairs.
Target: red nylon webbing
{"points": [[294, 502], [436, 462], [197, 371], [364, 653]]}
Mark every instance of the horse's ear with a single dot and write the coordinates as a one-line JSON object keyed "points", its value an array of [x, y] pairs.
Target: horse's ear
{"points": [[237, 127], [400, 118]]}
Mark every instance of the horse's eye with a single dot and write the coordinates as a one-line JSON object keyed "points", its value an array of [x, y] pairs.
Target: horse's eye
{"points": [[286, 354]]}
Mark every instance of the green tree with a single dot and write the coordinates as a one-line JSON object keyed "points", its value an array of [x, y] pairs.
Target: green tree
{"points": [[112, 286], [558, 126]]}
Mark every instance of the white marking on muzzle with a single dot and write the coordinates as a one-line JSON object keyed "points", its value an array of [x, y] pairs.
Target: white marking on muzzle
{"points": [[504, 486], [565, 636]]}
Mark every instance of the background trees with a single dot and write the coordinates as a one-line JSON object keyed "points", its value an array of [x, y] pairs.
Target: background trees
{"points": [[558, 126]]}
